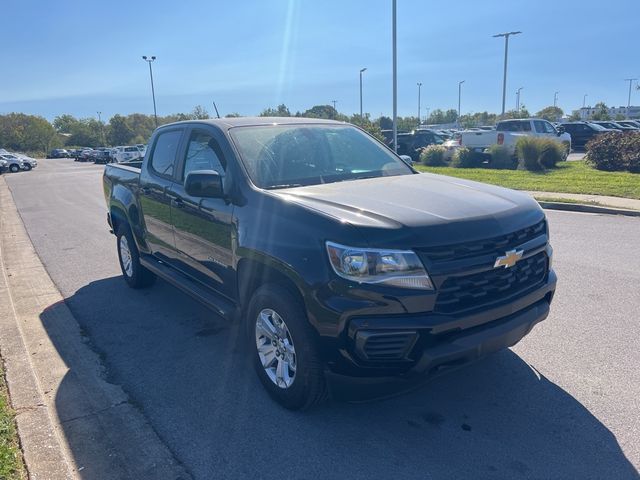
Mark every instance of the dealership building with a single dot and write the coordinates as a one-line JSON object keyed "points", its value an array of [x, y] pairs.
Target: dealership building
{"points": [[586, 113]]}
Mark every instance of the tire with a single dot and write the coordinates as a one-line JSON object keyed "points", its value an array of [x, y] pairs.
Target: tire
{"points": [[26, 167], [307, 386], [14, 168], [133, 272]]}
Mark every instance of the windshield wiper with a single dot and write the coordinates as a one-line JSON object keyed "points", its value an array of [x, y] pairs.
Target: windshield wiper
{"points": [[284, 185]]}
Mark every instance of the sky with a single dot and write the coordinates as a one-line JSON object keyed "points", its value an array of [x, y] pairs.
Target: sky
{"points": [[84, 56]]}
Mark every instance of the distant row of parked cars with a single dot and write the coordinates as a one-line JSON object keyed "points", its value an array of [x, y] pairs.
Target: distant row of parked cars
{"points": [[572, 135], [15, 162], [101, 154]]}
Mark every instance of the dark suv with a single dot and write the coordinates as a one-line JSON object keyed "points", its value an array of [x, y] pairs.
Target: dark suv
{"points": [[331, 251], [582, 132]]}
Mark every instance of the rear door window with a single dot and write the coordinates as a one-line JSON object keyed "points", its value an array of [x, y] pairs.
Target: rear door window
{"points": [[163, 158]]}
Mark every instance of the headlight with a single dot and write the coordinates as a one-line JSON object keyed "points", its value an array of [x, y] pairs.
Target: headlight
{"points": [[399, 268]]}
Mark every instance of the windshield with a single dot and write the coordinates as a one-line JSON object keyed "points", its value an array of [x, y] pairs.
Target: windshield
{"points": [[280, 156], [595, 126]]}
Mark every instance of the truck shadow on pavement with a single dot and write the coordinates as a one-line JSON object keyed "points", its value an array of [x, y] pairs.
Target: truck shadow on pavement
{"points": [[187, 370]]}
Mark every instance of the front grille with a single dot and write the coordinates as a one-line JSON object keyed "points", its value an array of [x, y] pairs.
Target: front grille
{"points": [[384, 346], [495, 245], [467, 292]]}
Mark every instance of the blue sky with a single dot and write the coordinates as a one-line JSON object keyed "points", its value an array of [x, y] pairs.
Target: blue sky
{"points": [[78, 57]]}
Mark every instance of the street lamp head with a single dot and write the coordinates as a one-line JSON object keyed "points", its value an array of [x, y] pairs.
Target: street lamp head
{"points": [[363, 69], [506, 34], [144, 57], [153, 58], [461, 82], [419, 84]]}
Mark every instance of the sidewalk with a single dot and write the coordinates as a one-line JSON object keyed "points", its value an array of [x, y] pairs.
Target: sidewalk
{"points": [[72, 422], [603, 200]]}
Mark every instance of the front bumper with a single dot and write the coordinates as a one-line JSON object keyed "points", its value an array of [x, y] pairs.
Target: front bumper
{"points": [[425, 344]]}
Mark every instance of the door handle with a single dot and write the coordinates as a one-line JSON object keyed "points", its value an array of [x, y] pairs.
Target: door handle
{"points": [[146, 190], [178, 202]]}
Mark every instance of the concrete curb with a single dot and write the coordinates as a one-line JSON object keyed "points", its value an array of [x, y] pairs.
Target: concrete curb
{"points": [[581, 207], [72, 423]]}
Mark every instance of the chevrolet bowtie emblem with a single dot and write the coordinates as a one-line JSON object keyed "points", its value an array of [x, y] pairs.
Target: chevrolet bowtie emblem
{"points": [[509, 259]]}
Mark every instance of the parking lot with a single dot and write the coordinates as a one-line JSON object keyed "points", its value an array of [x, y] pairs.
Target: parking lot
{"points": [[561, 404]]}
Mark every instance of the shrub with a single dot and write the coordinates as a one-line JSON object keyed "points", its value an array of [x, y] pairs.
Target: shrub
{"points": [[433, 155], [615, 152], [466, 158], [527, 151], [550, 152], [501, 159]]}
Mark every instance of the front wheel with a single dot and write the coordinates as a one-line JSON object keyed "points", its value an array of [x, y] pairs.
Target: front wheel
{"points": [[134, 273], [285, 353], [14, 168], [26, 167]]}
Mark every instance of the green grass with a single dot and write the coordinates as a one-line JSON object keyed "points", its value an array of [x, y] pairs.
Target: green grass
{"points": [[569, 177], [11, 465]]}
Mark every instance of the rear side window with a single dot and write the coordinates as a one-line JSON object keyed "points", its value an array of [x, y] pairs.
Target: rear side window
{"points": [[164, 152]]}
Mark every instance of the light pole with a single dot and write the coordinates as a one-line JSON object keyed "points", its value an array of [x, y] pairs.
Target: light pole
{"points": [[395, 75], [428, 109], [334, 103], [459, 98], [362, 70], [584, 100], [153, 92], [630, 80], [518, 99], [419, 86], [506, 52], [101, 129], [555, 99]]}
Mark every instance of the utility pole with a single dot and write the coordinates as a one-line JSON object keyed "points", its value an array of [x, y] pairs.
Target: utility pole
{"points": [[153, 92], [555, 99], [630, 80], [395, 75], [518, 99], [506, 53], [419, 86], [362, 70], [334, 104], [459, 98]]}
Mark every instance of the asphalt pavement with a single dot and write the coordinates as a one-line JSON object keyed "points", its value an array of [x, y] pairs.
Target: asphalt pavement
{"points": [[564, 403]]}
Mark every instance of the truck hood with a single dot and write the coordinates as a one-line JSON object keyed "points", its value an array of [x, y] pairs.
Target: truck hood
{"points": [[419, 210]]}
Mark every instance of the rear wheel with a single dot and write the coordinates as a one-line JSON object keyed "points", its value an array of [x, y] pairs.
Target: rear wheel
{"points": [[14, 168], [285, 353], [134, 273]]}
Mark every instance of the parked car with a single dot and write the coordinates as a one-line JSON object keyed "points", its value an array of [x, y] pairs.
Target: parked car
{"points": [[613, 125], [582, 132], [59, 153], [3, 165], [507, 133], [125, 154], [308, 232], [102, 156], [86, 155], [630, 123], [142, 148], [16, 163], [411, 144]]}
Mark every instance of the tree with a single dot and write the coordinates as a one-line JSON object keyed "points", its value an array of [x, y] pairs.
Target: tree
{"points": [[281, 111], [385, 123], [575, 116], [522, 113], [553, 114], [232, 115], [324, 111], [601, 112], [120, 133], [27, 133], [65, 123], [199, 113]]}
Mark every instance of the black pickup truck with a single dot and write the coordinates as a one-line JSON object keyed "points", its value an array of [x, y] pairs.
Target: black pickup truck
{"points": [[331, 250]]}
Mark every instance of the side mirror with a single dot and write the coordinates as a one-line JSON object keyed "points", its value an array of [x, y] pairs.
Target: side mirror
{"points": [[204, 183], [406, 159], [560, 129]]}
